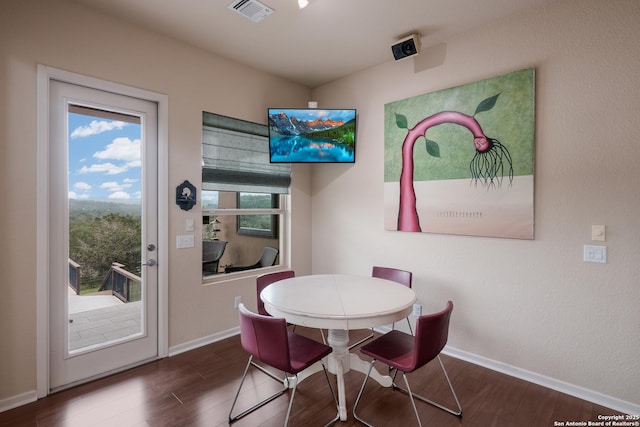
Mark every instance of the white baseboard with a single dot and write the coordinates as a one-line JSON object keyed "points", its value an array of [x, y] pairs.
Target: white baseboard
{"points": [[192, 345], [18, 400], [552, 383]]}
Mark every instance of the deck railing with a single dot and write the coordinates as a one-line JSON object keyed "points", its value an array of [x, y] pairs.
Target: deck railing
{"points": [[74, 276], [124, 284]]}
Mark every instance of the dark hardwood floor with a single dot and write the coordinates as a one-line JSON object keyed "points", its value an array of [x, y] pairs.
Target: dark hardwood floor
{"points": [[196, 389]]}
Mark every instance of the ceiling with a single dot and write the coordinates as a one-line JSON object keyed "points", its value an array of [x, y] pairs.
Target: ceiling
{"points": [[327, 40]]}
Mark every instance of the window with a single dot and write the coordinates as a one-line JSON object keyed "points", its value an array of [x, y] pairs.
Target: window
{"points": [[257, 225], [242, 195]]}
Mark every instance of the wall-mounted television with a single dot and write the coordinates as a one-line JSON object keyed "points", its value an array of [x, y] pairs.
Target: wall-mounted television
{"points": [[312, 135]]}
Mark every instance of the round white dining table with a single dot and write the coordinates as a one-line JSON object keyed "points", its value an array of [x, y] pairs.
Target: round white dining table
{"points": [[338, 303]]}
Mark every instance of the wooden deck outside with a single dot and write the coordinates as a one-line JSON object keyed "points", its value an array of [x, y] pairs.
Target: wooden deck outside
{"points": [[97, 319]]}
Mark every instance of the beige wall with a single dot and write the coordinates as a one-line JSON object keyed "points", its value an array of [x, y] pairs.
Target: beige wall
{"points": [[72, 38], [534, 305]]}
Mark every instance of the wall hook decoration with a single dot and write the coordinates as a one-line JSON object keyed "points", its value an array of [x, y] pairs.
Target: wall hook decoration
{"points": [[186, 196]]}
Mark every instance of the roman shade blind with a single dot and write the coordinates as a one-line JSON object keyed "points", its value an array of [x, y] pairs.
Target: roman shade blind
{"points": [[235, 157]]}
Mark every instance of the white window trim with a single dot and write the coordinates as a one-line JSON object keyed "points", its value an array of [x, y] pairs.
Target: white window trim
{"points": [[283, 213]]}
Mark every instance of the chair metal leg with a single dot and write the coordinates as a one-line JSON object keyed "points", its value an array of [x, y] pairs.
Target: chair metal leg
{"points": [[233, 418], [324, 340], [371, 335], [457, 413], [293, 394], [355, 405], [409, 323], [393, 326], [333, 394], [411, 394], [250, 363], [413, 402], [284, 380], [335, 400], [368, 337]]}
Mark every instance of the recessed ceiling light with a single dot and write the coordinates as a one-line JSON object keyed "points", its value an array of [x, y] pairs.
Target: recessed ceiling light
{"points": [[303, 3]]}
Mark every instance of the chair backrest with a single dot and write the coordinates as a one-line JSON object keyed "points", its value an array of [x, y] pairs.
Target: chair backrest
{"points": [[432, 332], [268, 257], [401, 276], [265, 280], [212, 250], [265, 338]]}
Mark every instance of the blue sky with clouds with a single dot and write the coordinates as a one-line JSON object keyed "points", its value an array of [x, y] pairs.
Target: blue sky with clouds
{"points": [[104, 159]]}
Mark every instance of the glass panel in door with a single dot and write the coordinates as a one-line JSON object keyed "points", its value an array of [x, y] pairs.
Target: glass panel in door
{"points": [[105, 211]]}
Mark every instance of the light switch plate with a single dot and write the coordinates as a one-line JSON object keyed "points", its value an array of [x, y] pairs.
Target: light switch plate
{"points": [[185, 241], [596, 254], [598, 232]]}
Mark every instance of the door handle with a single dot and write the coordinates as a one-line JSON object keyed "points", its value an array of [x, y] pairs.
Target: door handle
{"points": [[150, 262]]}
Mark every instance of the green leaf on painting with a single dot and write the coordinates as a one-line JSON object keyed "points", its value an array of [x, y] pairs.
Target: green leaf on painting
{"points": [[401, 121], [487, 104], [433, 148]]}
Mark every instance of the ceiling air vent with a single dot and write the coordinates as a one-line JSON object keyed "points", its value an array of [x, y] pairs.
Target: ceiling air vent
{"points": [[251, 9]]}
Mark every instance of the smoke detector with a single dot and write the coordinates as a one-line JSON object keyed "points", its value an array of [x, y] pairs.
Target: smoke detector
{"points": [[251, 9]]}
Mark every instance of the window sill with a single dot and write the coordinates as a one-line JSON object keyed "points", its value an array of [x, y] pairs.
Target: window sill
{"points": [[215, 279]]}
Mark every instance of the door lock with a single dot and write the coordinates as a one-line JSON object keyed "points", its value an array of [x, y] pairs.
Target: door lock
{"points": [[151, 247]]}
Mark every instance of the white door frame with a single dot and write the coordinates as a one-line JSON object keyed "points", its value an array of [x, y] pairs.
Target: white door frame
{"points": [[44, 76]]}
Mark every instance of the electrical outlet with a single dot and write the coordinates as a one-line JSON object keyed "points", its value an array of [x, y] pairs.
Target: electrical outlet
{"points": [[237, 301], [417, 310]]}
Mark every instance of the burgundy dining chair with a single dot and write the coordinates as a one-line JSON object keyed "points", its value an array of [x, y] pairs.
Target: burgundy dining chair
{"points": [[265, 280], [396, 275], [268, 340], [406, 353], [403, 277]]}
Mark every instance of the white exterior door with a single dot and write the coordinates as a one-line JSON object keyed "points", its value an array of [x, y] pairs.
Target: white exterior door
{"points": [[103, 233]]}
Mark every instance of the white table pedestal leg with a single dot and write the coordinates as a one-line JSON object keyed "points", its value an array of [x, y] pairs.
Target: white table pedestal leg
{"points": [[360, 365], [339, 364]]}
